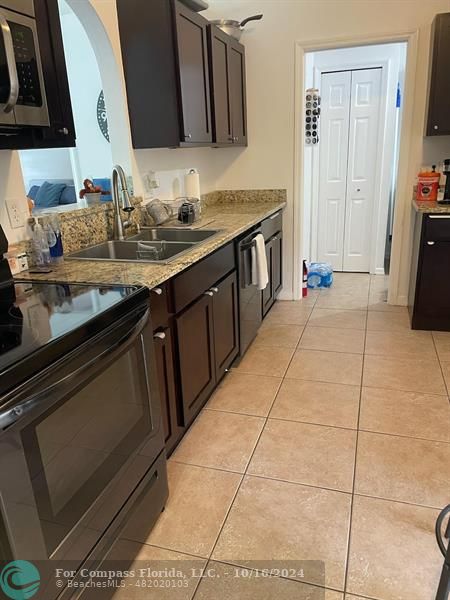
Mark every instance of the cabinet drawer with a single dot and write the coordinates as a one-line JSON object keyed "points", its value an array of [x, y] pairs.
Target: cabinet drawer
{"points": [[160, 305], [192, 283], [437, 228], [272, 225]]}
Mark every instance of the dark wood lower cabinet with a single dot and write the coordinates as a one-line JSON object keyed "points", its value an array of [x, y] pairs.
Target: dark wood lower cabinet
{"points": [[172, 417], [274, 254], [267, 296], [226, 324], [196, 363]]}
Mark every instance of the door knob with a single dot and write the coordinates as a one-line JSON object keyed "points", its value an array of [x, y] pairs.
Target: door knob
{"points": [[157, 290], [431, 243], [358, 189], [159, 335], [63, 131], [188, 136], [215, 290], [209, 293]]}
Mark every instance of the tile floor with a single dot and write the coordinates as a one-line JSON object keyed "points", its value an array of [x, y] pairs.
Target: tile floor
{"points": [[330, 442]]}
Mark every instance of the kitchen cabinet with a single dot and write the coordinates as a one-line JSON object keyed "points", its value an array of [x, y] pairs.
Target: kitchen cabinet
{"points": [[272, 230], [228, 88], [61, 131], [429, 294], [226, 324], [438, 122], [166, 65]]}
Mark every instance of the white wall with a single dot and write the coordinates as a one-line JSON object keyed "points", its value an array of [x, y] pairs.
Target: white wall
{"points": [[45, 164]]}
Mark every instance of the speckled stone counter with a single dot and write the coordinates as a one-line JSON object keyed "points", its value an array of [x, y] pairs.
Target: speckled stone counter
{"points": [[428, 207], [232, 219]]}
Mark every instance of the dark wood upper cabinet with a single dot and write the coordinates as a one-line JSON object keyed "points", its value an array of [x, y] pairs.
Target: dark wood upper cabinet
{"points": [[439, 85], [61, 132], [165, 59], [193, 63], [228, 89]]}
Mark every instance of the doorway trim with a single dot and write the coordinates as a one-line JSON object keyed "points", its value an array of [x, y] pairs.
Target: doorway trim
{"points": [[402, 202]]}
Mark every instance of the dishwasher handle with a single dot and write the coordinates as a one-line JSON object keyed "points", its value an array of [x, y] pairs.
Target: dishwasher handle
{"points": [[15, 413]]}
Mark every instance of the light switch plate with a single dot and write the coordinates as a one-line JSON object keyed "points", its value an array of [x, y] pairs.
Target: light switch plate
{"points": [[15, 214]]}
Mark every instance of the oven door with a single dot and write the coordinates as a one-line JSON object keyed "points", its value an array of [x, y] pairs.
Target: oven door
{"points": [[76, 444], [22, 90]]}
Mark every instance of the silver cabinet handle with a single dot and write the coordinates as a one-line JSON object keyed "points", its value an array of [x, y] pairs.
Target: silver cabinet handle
{"points": [[63, 131], [439, 216], [215, 290], [274, 216], [157, 290], [11, 64], [159, 335], [431, 243], [209, 293]]}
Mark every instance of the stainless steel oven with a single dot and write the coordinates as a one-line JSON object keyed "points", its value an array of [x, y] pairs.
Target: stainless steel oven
{"points": [[22, 92], [80, 444]]}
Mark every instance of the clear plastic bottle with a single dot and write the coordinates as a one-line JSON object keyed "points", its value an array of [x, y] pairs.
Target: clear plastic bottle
{"points": [[41, 250]]}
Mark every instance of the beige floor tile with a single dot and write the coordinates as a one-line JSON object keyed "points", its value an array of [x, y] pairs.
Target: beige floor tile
{"points": [[393, 551], [220, 440], [442, 341], [303, 453], [351, 282], [405, 413], [445, 365], [246, 394], [133, 556], [408, 374], [288, 313], [199, 500], [311, 298], [265, 360], [345, 319], [229, 584], [388, 321], [331, 367], [277, 521], [315, 402], [400, 343], [278, 336], [403, 469], [379, 283], [333, 339], [347, 301], [378, 302]]}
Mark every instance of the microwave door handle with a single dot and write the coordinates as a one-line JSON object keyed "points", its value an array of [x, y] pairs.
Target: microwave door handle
{"points": [[11, 64], [11, 415]]}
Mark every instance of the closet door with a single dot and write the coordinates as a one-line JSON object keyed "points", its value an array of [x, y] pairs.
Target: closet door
{"points": [[333, 147], [365, 102]]}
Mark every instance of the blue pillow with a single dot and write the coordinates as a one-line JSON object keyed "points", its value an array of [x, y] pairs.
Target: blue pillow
{"points": [[49, 195], [33, 192], [105, 184], [69, 195]]}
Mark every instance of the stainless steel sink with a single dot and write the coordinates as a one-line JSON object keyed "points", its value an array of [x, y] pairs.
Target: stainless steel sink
{"points": [[134, 251], [174, 235]]}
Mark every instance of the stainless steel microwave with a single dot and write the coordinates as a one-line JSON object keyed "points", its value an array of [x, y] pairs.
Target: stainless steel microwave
{"points": [[22, 92]]}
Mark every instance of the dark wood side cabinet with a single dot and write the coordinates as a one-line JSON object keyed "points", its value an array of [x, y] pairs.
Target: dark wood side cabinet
{"points": [[166, 64], [429, 292], [438, 122], [228, 88], [226, 324], [272, 230], [61, 132]]}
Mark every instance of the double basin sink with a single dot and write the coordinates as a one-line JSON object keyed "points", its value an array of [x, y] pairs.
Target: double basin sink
{"points": [[155, 245]]}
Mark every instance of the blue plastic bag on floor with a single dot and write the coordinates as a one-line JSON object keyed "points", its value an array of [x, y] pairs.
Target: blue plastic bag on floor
{"points": [[320, 275]]}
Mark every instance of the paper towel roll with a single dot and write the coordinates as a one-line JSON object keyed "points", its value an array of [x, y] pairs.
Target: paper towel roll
{"points": [[192, 184]]}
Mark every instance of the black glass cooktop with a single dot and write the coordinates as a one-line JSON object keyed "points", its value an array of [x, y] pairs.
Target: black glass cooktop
{"points": [[36, 317]]}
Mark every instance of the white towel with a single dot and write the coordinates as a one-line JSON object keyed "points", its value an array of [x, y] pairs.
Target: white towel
{"points": [[260, 272]]}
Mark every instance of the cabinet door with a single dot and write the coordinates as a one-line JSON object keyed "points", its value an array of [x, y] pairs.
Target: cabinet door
{"points": [[226, 334], [439, 88], [220, 86], [267, 293], [195, 340], [171, 415], [238, 92], [433, 293], [277, 267], [194, 75]]}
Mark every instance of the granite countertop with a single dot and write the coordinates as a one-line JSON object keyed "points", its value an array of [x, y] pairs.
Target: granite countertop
{"points": [[429, 207], [231, 219]]}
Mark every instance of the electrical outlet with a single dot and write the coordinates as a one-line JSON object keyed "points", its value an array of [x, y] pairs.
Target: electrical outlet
{"points": [[15, 213]]}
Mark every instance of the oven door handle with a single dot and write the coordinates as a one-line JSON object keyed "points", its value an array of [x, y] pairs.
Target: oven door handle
{"points": [[11, 415], [11, 64]]}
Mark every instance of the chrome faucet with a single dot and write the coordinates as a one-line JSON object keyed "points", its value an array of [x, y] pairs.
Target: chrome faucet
{"points": [[125, 205]]}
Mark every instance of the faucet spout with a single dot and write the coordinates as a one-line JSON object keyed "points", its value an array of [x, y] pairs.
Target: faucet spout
{"points": [[118, 174]]}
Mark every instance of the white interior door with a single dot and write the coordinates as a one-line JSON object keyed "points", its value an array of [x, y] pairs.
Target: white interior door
{"points": [[351, 103], [333, 157], [365, 101]]}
